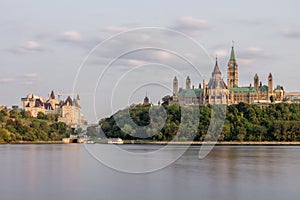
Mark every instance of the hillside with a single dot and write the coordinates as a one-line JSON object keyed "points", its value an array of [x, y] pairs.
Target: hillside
{"points": [[16, 126], [244, 122]]}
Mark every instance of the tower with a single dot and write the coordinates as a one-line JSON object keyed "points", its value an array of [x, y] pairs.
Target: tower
{"points": [[232, 71], [256, 81], [78, 99], [204, 87], [188, 83], [52, 95], [175, 86], [270, 85], [146, 100]]}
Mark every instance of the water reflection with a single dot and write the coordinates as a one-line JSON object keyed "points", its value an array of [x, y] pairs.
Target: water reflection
{"points": [[228, 172]]}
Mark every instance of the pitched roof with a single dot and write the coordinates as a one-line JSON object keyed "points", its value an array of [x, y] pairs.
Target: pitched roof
{"points": [[232, 60], [190, 92], [243, 90], [232, 55], [216, 69], [52, 96], [68, 100]]}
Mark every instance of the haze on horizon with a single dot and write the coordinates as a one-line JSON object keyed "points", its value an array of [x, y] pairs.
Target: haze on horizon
{"points": [[44, 43]]}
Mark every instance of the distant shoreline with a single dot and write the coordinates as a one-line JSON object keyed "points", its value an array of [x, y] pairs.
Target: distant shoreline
{"points": [[213, 143], [175, 143]]}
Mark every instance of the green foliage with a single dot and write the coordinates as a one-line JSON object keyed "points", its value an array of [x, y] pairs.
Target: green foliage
{"points": [[20, 126], [244, 122]]}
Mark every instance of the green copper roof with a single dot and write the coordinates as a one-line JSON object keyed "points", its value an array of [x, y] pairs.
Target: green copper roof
{"points": [[232, 56], [256, 76], [188, 78], [238, 90], [190, 92], [242, 90]]}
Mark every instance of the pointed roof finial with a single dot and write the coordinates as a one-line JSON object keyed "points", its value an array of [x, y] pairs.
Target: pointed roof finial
{"points": [[52, 95], [232, 43], [216, 69]]}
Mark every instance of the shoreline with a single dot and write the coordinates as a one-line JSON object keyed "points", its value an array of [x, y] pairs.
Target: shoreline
{"points": [[233, 143], [215, 143]]}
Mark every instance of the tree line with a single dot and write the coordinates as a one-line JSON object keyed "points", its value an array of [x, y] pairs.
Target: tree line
{"points": [[243, 122], [18, 125]]}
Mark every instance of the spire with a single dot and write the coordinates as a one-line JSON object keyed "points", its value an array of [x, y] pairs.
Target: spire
{"points": [[175, 78], [232, 55], [270, 75], [256, 77], [232, 60], [216, 69], [188, 78], [52, 96], [78, 98]]}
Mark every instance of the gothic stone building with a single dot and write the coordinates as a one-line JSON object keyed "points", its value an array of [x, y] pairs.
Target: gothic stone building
{"points": [[68, 110], [217, 92]]}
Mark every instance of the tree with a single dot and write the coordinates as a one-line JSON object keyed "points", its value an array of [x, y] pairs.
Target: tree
{"points": [[14, 113], [41, 115], [5, 135], [25, 114], [166, 100]]}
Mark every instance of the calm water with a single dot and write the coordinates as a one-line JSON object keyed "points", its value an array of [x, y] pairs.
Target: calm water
{"points": [[68, 172]]}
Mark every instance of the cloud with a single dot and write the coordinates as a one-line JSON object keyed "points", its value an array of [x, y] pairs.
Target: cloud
{"points": [[245, 61], [257, 52], [291, 32], [27, 79], [71, 36], [253, 53], [32, 46], [190, 26], [221, 53], [75, 38], [29, 46]]}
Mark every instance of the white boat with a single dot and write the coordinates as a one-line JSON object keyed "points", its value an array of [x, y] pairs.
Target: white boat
{"points": [[115, 141]]}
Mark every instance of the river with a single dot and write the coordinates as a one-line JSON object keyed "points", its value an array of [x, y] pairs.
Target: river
{"points": [[69, 172]]}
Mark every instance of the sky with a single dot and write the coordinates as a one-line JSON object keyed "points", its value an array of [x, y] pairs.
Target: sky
{"points": [[107, 52]]}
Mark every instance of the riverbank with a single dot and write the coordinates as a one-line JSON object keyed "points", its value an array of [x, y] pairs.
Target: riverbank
{"points": [[211, 143], [174, 143], [34, 142]]}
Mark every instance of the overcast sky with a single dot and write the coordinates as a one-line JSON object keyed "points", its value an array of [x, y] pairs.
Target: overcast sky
{"points": [[44, 43]]}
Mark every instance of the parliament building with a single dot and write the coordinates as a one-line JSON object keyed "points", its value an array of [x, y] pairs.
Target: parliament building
{"points": [[216, 91]]}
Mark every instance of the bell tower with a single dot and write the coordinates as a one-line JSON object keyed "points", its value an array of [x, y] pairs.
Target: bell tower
{"points": [[256, 80], [175, 86], [232, 71], [270, 83]]}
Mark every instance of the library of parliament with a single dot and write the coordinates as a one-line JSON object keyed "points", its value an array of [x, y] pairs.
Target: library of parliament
{"points": [[216, 91]]}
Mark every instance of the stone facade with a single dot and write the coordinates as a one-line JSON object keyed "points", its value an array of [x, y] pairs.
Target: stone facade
{"points": [[217, 92], [68, 110]]}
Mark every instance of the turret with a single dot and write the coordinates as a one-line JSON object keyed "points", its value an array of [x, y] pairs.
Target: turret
{"points": [[204, 87], [52, 95], [78, 99], [232, 71], [270, 84], [188, 83], [175, 86], [256, 82]]}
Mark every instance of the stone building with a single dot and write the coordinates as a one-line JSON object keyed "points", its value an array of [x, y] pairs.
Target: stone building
{"points": [[68, 110], [217, 92]]}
